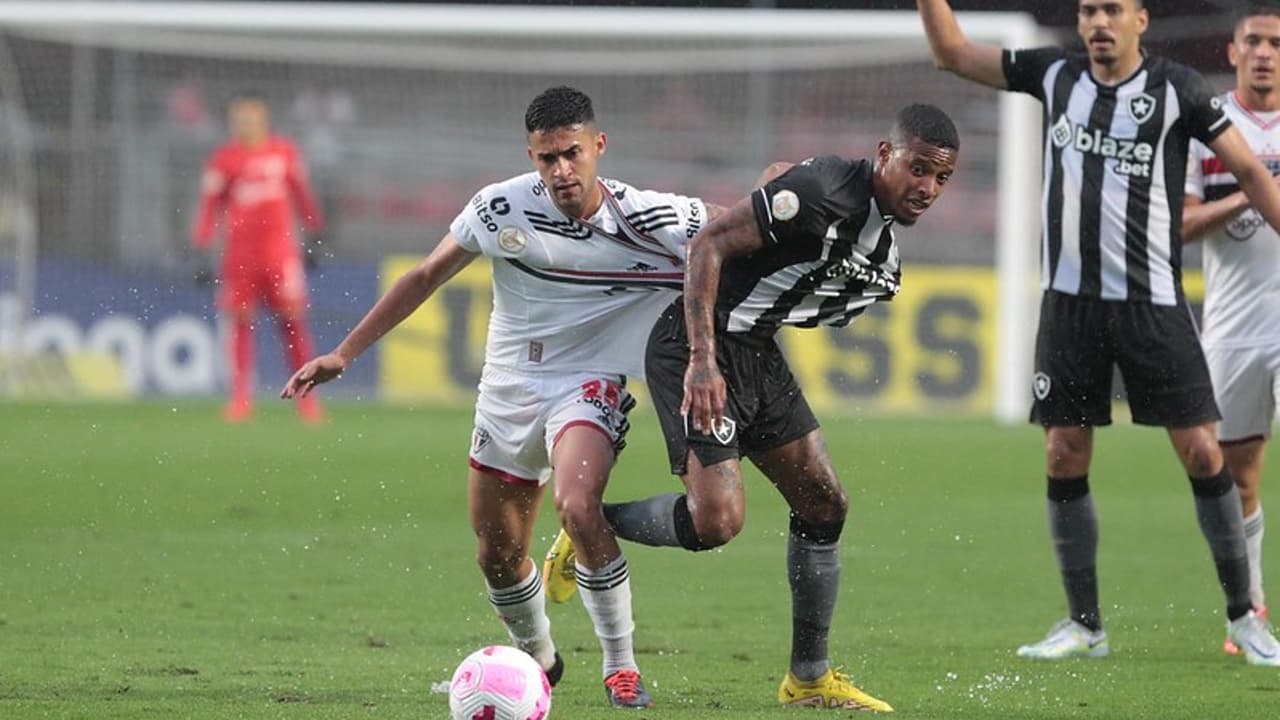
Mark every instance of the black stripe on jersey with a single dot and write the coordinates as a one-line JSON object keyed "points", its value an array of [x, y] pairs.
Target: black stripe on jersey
{"points": [[1217, 192], [1062, 84], [840, 321], [1094, 168], [563, 228], [835, 306], [636, 282], [1138, 209], [657, 225], [638, 217]]}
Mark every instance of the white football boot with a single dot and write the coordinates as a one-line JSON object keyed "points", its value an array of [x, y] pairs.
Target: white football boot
{"points": [[1067, 639], [1253, 636]]}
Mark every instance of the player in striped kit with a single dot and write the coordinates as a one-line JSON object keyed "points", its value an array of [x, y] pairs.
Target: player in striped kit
{"points": [[581, 268], [1241, 335], [813, 247], [1117, 123]]}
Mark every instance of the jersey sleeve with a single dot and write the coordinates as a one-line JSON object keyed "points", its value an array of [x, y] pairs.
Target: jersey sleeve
{"points": [[215, 183], [1196, 155], [1206, 119], [672, 220], [1025, 68], [300, 187], [793, 205], [464, 226]]}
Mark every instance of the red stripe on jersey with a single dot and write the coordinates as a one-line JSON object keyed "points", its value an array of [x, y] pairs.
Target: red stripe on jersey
{"points": [[1212, 166]]}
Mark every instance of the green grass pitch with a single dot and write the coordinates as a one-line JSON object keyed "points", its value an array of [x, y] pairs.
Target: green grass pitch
{"points": [[157, 564]]}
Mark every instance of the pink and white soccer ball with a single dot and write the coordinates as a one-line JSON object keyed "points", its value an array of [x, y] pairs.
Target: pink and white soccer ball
{"points": [[499, 683]]}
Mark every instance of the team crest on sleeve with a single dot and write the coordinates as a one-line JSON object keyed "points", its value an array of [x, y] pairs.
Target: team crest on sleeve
{"points": [[784, 205], [512, 239], [1141, 107]]}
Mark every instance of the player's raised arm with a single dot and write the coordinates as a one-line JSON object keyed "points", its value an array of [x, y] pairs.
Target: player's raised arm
{"points": [[1255, 181], [734, 232], [410, 291], [952, 49]]}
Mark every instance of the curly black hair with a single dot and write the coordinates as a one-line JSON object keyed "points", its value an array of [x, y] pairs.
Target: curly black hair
{"points": [[558, 107]]}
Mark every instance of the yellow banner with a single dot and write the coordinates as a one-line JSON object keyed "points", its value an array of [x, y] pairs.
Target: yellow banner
{"points": [[930, 350]]}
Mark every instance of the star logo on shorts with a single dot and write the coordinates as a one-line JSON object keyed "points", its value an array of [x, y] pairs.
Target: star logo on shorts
{"points": [[1041, 385], [724, 430]]}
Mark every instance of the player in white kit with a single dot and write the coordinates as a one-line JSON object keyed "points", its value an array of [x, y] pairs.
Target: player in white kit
{"points": [[582, 266], [1241, 333]]}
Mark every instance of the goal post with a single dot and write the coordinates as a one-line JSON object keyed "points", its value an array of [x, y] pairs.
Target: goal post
{"points": [[698, 100]]}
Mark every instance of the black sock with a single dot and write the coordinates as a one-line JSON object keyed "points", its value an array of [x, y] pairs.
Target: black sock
{"points": [[1218, 512], [813, 570], [660, 521], [1073, 525]]}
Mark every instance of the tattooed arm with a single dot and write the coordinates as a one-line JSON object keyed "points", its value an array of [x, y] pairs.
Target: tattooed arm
{"points": [[733, 232]]}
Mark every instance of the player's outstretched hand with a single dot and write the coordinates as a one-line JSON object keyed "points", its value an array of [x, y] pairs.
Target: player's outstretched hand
{"points": [[704, 393], [312, 373]]}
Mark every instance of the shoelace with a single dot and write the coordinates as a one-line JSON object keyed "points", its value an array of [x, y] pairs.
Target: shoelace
{"points": [[623, 683]]}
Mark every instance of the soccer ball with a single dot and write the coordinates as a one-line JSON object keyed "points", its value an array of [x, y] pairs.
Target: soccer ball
{"points": [[499, 683]]}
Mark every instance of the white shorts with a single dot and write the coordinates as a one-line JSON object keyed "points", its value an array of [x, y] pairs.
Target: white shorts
{"points": [[1246, 382], [519, 418]]}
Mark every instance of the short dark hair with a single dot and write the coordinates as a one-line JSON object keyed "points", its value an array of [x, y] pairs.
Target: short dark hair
{"points": [[927, 122], [558, 107], [1255, 10]]}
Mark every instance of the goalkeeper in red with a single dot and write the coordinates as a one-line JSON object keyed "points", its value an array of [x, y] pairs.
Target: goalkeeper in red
{"points": [[257, 180]]}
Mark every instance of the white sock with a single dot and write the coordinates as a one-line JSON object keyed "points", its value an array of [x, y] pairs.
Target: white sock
{"points": [[523, 609], [1253, 529], [606, 594]]}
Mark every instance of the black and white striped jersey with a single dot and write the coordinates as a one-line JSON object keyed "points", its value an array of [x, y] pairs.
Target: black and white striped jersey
{"points": [[829, 252], [1115, 159]]}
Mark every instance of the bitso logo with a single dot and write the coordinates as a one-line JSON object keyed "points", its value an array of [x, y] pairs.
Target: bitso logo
{"points": [[512, 239], [1141, 107], [1041, 385], [785, 205]]}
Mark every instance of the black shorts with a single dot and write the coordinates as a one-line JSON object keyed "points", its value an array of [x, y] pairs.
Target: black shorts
{"points": [[1156, 347], [764, 408]]}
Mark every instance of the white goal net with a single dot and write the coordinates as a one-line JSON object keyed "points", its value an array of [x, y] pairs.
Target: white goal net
{"points": [[107, 111]]}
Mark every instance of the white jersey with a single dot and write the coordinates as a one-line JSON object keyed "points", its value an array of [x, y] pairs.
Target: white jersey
{"points": [[577, 295], [1241, 261]]}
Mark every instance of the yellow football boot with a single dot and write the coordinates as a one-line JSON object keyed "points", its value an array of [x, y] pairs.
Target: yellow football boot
{"points": [[559, 574], [833, 691]]}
